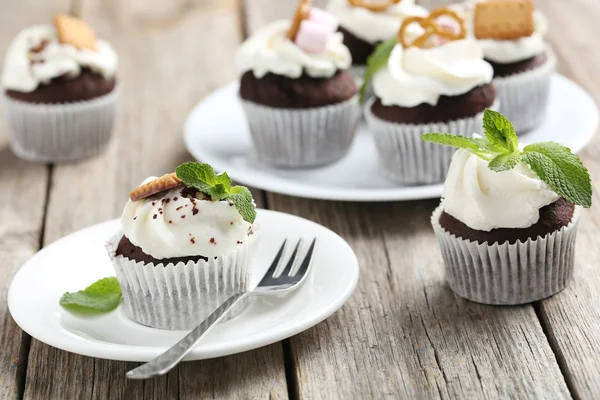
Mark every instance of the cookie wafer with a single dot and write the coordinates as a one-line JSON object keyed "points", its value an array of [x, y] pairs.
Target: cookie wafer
{"points": [[161, 184], [503, 19], [375, 6], [73, 31]]}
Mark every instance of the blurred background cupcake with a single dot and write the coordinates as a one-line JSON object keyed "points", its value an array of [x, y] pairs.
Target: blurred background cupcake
{"points": [[60, 91], [301, 104]]}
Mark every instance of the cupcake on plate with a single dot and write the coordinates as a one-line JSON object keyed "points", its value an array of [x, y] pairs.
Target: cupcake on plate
{"points": [[511, 35], [186, 246], [365, 24], [60, 91], [508, 218], [300, 101], [436, 81]]}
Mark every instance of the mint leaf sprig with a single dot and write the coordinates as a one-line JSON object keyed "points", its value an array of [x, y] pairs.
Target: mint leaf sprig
{"points": [[553, 163], [101, 296], [218, 187], [375, 62]]}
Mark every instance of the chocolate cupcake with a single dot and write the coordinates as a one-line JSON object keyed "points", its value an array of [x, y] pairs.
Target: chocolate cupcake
{"points": [[508, 218], [186, 246], [300, 102], [434, 82], [60, 91]]}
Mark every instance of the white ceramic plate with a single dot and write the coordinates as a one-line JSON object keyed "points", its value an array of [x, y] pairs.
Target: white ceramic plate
{"points": [[77, 260], [216, 132]]}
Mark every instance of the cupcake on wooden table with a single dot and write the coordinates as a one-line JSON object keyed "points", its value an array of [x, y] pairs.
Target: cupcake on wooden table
{"points": [[434, 81], [508, 218], [301, 104], [60, 91], [187, 245], [366, 23], [512, 34]]}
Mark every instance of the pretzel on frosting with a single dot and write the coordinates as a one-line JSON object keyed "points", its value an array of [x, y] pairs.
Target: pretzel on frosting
{"points": [[432, 28], [374, 6], [301, 14]]}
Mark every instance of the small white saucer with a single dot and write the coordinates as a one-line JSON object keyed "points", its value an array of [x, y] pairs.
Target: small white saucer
{"points": [[77, 260], [216, 132]]}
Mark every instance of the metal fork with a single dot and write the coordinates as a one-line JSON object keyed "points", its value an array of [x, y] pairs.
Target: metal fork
{"points": [[273, 282]]}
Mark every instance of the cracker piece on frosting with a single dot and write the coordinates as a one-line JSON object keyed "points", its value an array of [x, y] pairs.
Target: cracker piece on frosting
{"points": [[162, 184], [73, 31], [503, 19]]}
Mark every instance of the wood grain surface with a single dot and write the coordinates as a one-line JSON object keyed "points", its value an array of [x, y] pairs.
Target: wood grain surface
{"points": [[403, 334]]}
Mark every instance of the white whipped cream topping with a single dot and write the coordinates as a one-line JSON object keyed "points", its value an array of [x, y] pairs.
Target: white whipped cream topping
{"points": [[415, 76], [484, 200], [175, 226], [54, 60], [269, 50], [373, 26]]}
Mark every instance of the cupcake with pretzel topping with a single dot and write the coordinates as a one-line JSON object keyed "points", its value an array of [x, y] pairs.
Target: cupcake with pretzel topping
{"points": [[434, 81], [60, 91], [367, 23], [299, 99]]}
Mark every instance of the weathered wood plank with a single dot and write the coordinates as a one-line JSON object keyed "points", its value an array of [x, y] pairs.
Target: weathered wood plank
{"points": [[172, 54]]}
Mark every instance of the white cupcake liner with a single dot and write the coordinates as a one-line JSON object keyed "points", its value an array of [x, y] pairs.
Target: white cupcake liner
{"points": [[60, 132], [524, 96], [508, 274], [302, 137], [409, 160], [180, 296]]}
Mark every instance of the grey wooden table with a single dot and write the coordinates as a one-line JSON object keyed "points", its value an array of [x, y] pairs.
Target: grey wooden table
{"points": [[403, 334]]}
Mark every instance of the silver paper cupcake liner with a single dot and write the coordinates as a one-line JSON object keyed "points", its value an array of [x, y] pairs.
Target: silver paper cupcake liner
{"points": [[180, 296], [508, 274], [409, 160], [524, 96], [302, 137], [60, 132]]}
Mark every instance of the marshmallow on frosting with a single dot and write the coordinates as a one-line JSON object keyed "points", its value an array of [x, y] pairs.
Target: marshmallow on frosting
{"points": [[414, 76], [25, 71], [371, 26], [270, 51], [484, 200]]}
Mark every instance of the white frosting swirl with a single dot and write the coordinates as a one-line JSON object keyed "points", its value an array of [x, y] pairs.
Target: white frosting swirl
{"points": [[374, 27], [25, 71], [484, 200], [269, 50], [176, 226], [415, 76]]}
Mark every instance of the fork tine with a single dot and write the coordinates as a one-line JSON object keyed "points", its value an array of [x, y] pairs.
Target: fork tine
{"points": [[273, 268], [307, 260], [290, 265]]}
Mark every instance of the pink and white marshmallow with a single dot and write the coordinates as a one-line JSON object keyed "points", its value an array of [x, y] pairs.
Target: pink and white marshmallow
{"points": [[315, 31]]}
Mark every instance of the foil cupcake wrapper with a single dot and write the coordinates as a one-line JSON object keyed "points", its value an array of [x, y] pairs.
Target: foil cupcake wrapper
{"points": [[508, 274], [305, 137], [409, 160], [180, 296], [524, 96], [60, 132]]}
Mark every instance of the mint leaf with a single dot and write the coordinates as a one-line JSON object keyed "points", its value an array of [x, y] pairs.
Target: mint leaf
{"points": [[103, 295], [242, 200], [505, 161], [500, 131], [479, 146], [561, 170], [375, 62]]}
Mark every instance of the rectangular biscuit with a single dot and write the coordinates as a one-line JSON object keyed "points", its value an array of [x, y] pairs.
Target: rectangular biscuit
{"points": [[503, 19], [73, 31]]}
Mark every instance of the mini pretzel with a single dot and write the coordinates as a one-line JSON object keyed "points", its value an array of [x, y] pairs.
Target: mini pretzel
{"points": [[301, 14], [161, 184], [431, 28], [374, 6]]}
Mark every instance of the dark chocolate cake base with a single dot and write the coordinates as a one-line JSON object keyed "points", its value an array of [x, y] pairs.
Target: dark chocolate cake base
{"points": [[360, 50], [278, 91], [448, 108], [504, 70], [135, 253], [552, 218], [87, 86]]}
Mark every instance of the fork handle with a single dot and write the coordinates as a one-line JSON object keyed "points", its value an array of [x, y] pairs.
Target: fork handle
{"points": [[170, 358]]}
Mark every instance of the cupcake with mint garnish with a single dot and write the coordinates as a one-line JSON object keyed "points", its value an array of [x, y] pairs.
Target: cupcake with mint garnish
{"points": [[299, 99], [59, 91], [508, 218], [186, 246], [437, 81], [511, 34]]}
